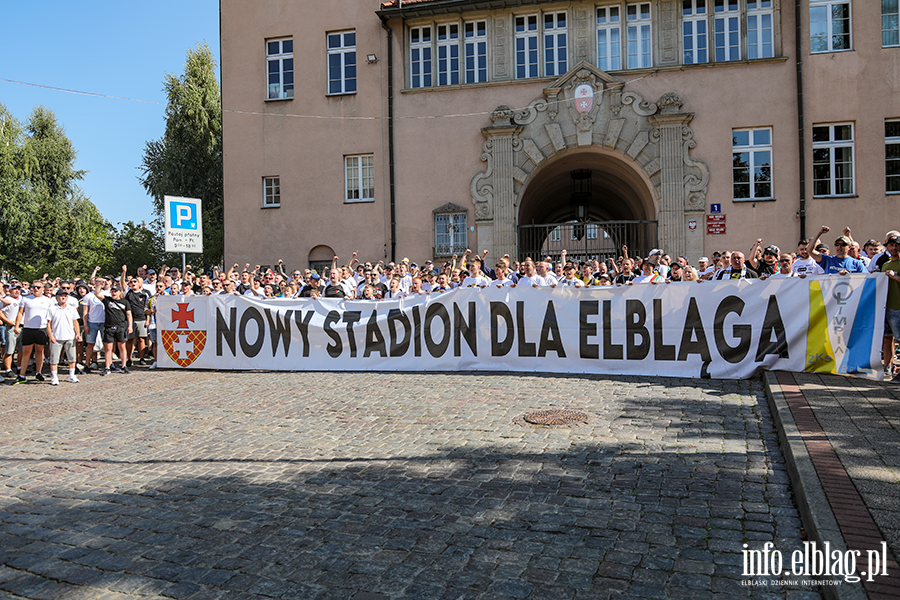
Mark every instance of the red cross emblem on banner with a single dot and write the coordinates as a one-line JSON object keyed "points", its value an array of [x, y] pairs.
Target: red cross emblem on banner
{"points": [[183, 345]]}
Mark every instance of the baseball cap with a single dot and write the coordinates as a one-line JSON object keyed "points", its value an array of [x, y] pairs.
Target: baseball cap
{"points": [[569, 266], [655, 251], [893, 240], [61, 292], [843, 239], [704, 259], [315, 276], [773, 250], [115, 288], [151, 272]]}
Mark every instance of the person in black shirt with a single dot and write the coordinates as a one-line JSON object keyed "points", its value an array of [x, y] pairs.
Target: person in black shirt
{"points": [[118, 324], [139, 300]]}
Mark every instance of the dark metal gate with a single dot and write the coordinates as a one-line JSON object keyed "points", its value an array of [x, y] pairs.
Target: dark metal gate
{"points": [[596, 240]]}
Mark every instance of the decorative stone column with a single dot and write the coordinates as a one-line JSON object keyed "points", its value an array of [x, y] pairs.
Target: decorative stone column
{"points": [[495, 199]]}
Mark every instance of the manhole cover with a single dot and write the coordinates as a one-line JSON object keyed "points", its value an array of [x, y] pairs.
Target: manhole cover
{"points": [[556, 417]]}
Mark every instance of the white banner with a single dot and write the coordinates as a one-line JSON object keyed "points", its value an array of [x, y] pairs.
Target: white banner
{"points": [[712, 329]]}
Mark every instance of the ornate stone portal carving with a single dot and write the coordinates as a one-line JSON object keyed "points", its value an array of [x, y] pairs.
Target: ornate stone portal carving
{"points": [[654, 136]]}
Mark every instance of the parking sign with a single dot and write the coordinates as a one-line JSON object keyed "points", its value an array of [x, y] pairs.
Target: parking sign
{"points": [[184, 229]]}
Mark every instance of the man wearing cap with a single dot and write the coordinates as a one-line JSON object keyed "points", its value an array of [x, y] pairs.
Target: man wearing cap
{"points": [[892, 308], [879, 259], [150, 282], [568, 279], [769, 264], [116, 327], [63, 331], [658, 268], [31, 322], [704, 269], [841, 263], [314, 281], [8, 311]]}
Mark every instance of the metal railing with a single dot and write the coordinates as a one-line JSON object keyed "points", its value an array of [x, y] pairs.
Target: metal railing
{"points": [[596, 240]]}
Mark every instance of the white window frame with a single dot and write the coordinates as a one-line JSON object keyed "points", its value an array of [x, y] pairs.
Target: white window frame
{"points": [[475, 48], [527, 45], [421, 56], [448, 242], [726, 29], [760, 29], [892, 142], [280, 65], [827, 8], [890, 25], [448, 59], [757, 150], [555, 234], [638, 35], [832, 145], [695, 32], [556, 46], [609, 37], [271, 191], [359, 178], [342, 62]]}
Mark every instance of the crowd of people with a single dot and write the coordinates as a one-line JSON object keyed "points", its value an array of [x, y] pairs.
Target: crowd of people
{"points": [[78, 319]]}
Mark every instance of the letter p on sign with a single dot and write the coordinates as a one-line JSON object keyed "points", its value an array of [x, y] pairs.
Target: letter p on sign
{"points": [[183, 216]]}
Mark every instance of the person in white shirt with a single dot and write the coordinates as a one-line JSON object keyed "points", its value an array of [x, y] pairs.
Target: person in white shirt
{"points": [[569, 279], [804, 264], [659, 267], [32, 323], [405, 277], [501, 269], [647, 274], [8, 311], [704, 269], [542, 268], [476, 278], [531, 278], [394, 290], [784, 268], [63, 331]]}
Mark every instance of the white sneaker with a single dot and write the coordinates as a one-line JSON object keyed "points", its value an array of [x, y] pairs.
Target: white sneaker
{"points": [[72, 379], [153, 366], [54, 381]]}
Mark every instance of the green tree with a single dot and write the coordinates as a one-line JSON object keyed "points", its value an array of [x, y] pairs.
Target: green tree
{"points": [[137, 245], [187, 160], [47, 225]]}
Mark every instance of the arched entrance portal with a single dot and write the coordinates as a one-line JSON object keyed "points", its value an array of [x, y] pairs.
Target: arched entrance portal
{"points": [[589, 203]]}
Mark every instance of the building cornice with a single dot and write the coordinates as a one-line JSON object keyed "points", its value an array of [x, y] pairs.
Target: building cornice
{"points": [[409, 9]]}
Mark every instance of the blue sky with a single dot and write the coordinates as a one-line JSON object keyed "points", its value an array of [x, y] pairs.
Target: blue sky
{"points": [[121, 49]]}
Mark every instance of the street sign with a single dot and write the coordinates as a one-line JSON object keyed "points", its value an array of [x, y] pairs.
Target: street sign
{"points": [[715, 224], [184, 229], [715, 208]]}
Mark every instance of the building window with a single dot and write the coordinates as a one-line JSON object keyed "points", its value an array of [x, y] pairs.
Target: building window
{"points": [[555, 234], [892, 156], [476, 51], [359, 178], [448, 54], [639, 35], [890, 23], [833, 160], [609, 38], [727, 30], [280, 68], [420, 57], [555, 45], [760, 40], [752, 164], [342, 63], [526, 46], [271, 192], [829, 26], [450, 234], [592, 231], [695, 36]]}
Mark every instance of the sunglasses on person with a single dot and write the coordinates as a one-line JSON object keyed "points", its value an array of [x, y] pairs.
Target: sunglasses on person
{"points": [[841, 244]]}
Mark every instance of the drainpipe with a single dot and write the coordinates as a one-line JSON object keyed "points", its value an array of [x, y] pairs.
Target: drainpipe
{"points": [[801, 124], [390, 99]]}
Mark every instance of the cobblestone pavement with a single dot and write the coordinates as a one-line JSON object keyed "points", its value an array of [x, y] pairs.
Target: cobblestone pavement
{"points": [[383, 485]]}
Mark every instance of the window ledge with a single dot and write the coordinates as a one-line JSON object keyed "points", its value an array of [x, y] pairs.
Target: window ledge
{"points": [[364, 201], [265, 206], [836, 197], [339, 94], [811, 53], [279, 99], [892, 193], [746, 200]]}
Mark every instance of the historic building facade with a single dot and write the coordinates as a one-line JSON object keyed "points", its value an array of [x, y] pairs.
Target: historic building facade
{"points": [[424, 127]]}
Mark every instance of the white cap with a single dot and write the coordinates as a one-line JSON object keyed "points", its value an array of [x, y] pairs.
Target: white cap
{"points": [[704, 259], [655, 251]]}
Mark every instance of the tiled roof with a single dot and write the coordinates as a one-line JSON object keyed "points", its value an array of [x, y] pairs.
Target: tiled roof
{"points": [[397, 3]]}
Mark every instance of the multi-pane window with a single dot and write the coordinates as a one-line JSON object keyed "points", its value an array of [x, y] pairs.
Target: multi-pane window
{"points": [[892, 156], [526, 40], [833, 160], [555, 44], [890, 22], [450, 235], [609, 38], [751, 164], [359, 179], [448, 54], [476, 51], [420, 57], [639, 35], [695, 36], [727, 30], [760, 41], [829, 25], [342, 62], [280, 68], [271, 192]]}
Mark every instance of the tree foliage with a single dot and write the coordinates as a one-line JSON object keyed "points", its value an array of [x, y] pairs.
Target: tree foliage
{"points": [[47, 225], [187, 160]]}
